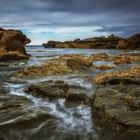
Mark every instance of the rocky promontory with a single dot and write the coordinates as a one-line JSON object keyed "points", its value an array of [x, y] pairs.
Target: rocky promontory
{"points": [[110, 42], [12, 44]]}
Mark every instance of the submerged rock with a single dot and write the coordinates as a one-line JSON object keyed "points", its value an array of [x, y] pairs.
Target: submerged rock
{"points": [[49, 89], [12, 44], [18, 112], [59, 89]]}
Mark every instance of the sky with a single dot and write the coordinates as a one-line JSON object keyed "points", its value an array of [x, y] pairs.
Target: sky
{"points": [[43, 20]]}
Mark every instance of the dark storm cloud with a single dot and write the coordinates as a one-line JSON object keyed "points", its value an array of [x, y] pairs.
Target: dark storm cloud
{"points": [[117, 16], [122, 30]]}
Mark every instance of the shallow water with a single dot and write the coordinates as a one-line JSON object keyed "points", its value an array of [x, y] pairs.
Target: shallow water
{"points": [[72, 121]]}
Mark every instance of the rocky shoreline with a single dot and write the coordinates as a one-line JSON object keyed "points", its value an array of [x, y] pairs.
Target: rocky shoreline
{"points": [[110, 42], [110, 88], [116, 98]]}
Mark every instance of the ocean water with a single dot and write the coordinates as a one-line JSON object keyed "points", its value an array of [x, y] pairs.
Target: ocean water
{"points": [[71, 121]]}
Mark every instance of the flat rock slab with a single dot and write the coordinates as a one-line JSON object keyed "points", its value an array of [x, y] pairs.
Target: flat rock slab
{"points": [[118, 104]]}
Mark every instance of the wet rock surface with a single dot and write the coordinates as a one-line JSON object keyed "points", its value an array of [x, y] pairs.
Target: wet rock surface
{"points": [[51, 68], [60, 89], [17, 111], [72, 63], [49, 89], [54, 98], [116, 102], [12, 44]]}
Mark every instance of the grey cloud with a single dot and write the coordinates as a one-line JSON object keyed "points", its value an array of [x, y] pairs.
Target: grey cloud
{"points": [[111, 15], [121, 30]]}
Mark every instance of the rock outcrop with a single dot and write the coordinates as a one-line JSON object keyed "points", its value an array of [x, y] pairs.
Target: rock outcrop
{"points": [[132, 42], [98, 42], [12, 44], [116, 102], [111, 41]]}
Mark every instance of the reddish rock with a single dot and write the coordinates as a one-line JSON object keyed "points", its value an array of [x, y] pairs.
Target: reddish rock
{"points": [[12, 44], [132, 42], [109, 42]]}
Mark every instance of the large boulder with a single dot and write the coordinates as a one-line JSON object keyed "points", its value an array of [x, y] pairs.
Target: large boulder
{"points": [[12, 44]]}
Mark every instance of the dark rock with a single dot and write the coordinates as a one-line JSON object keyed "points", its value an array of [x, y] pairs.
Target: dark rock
{"points": [[118, 106], [18, 112], [77, 96], [59, 89], [49, 89]]}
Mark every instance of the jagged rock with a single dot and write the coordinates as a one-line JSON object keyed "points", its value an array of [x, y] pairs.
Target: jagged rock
{"points": [[12, 44], [132, 42]]}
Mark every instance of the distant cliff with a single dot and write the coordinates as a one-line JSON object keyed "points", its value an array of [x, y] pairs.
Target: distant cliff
{"points": [[12, 44], [109, 42]]}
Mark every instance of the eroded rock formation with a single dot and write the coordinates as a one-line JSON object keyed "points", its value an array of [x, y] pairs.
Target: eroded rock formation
{"points": [[12, 44]]}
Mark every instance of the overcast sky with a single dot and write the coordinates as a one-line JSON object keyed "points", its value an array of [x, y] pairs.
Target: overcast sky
{"points": [[43, 20]]}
